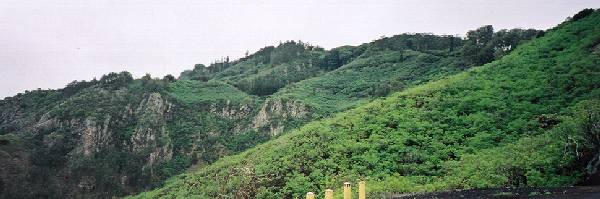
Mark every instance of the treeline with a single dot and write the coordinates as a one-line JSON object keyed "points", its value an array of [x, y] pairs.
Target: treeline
{"points": [[291, 61], [270, 55], [114, 81], [423, 42], [483, 45]]}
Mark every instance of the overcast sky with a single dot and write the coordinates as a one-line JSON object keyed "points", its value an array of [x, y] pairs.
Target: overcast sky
{"points": [[47, 44]]}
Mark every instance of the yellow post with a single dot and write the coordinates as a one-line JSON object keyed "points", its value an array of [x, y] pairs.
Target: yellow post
{"points": [[362, 192], [347, 191], [328, 194], [310, 195]]}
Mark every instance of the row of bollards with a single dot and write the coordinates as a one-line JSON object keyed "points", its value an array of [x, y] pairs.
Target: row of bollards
{"points": [[362, 193]]}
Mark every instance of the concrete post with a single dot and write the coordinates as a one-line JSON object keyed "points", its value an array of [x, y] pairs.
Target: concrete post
{"points": [[347, 191], [328, 194], [362, 192], [310, 195]]}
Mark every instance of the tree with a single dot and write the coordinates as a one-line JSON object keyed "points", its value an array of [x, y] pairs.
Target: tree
{"points": [[331, 60], [478, 48], [451, 43], [505, 41], [147, 77], [169, 78], [582, 14], [115, 80]]}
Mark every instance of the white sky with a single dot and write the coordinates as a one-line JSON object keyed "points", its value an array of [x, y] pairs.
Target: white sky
{"points": [[47, 44]]}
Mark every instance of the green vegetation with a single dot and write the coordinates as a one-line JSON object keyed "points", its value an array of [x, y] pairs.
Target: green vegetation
{"points": [[527, 119], [368, 77], [484, 45], [419, 116], [266, 71], [189, 91]]}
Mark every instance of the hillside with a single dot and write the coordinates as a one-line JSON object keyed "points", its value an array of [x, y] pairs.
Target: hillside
{"points": [[527, 119], [118, 135]]}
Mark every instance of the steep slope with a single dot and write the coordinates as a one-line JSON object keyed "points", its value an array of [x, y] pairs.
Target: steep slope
{"points": [[385, 66], [80, 141], [529, 119], [371, 70], [120, 135], [375, 69]]}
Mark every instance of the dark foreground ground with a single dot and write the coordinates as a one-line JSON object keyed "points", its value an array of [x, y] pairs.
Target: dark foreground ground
{"points": [[582, 192]]}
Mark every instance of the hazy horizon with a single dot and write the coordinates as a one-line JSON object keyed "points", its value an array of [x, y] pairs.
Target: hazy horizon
{"points": [[47, 44]]}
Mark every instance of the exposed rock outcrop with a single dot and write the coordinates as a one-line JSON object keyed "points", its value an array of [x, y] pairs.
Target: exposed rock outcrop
{"points": [[231, 110], [151, 127], [94, 136], [275, 112]]}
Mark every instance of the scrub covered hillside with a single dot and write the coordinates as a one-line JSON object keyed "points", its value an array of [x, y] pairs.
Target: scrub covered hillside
{"points": [[528, 119], [119, 135]]}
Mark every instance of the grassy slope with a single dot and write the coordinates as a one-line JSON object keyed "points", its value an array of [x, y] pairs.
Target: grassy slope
{"points": [[373, 74], [455, 132], [190, 91]]}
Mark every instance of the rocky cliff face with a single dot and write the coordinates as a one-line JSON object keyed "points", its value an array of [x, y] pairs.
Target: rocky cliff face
{"points": [[94, 136], [97, 154], [230, 110], [151, 127], [276, 113], [102, 142]]}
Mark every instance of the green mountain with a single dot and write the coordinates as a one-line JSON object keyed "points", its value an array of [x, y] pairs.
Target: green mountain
{"points": [[529, 118], [118, 135]]}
